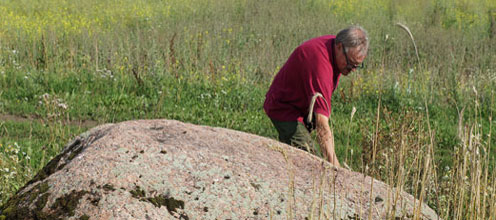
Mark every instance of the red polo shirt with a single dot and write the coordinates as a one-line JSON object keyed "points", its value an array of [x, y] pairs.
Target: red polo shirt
{"points": [[311, 68]]}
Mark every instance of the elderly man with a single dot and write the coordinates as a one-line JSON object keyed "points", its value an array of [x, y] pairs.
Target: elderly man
{"points": [[299, 99]]}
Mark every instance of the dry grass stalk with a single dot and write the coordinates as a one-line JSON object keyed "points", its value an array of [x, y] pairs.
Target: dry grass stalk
{"points": [[402, 26]]}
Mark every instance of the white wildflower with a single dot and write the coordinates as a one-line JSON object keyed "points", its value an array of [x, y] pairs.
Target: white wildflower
{"points": [[45, 96], [62, 105]]}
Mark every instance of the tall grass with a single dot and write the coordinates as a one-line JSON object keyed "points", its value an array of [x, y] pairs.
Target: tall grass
{"points": [[423, 125]]}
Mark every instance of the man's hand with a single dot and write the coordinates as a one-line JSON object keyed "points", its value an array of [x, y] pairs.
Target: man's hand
{"points": [[326, 139]]}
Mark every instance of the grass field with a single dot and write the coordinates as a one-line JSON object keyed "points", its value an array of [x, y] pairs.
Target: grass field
{"points": [[421, 124]]}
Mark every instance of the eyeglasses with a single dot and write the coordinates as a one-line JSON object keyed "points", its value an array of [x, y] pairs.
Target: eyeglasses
{"points": [[351, 66]]}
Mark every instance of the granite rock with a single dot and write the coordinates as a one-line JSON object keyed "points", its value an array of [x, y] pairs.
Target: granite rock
{"points": [[165, 169]]}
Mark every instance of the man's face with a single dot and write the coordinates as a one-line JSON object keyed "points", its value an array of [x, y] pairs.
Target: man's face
{"points": [[348, 61]]}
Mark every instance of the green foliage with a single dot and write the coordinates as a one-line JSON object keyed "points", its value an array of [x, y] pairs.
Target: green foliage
{"points": [[67, 65]]}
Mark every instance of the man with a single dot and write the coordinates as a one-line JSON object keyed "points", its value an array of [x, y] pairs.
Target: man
{"points": [[299, 98]]}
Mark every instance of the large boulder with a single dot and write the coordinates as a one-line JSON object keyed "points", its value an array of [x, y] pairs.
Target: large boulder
{"points": [[162, 169]]}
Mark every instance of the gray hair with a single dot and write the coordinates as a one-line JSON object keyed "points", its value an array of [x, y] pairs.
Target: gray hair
{"points": [[354, 37]]}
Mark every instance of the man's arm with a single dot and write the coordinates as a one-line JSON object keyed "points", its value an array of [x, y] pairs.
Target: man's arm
{"points": [[326, 139]]}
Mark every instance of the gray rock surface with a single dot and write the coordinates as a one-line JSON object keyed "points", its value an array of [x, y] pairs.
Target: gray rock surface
{"points": [[163, 169]]}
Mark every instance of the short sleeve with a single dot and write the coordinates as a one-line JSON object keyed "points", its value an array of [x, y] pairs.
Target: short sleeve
{"points": [[317, 78]]}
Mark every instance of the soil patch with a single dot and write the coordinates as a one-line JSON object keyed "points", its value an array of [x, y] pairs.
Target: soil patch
{"points": [[30, 118]]}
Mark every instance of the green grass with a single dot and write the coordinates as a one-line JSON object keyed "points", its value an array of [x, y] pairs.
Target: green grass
{"points": [[211, 63]]}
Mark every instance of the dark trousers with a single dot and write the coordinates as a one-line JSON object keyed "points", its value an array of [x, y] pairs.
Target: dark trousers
{"points": [[295, 134]]}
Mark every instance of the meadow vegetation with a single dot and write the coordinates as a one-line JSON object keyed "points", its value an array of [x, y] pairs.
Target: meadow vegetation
{"points": [[423, 125]]}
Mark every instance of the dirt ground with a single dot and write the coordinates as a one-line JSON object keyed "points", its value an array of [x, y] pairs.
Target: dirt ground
{"points": [[30, 118]]}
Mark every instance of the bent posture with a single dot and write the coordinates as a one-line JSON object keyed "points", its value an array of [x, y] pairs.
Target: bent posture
{"points": [[299, 99]]}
